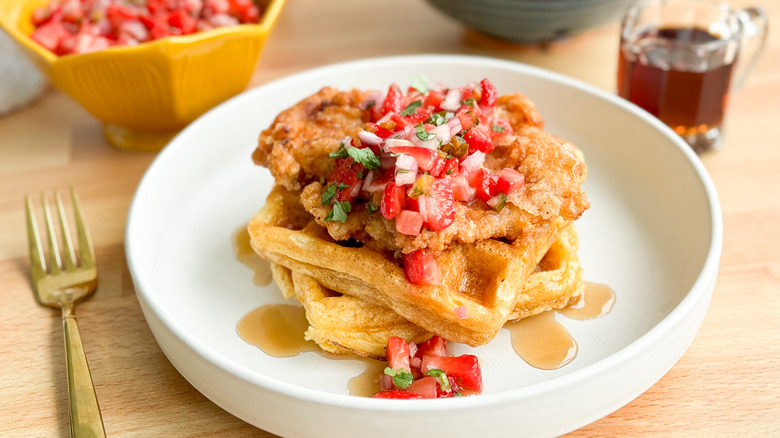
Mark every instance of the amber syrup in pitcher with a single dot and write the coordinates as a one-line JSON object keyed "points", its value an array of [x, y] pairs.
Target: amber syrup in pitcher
{"points": [[686, 90]]}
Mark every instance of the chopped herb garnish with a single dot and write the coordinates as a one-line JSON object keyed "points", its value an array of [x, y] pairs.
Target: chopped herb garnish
{"points": [[411, 108], [441, 376], [423, 135], [469, 102], [496, 128], [341, 153], [449, 171], [437, 119], [364, 156], [371, 207], [343, 186], [371, 103], [328, 194], [401, 377], [402, 171], [420, 83], [339, 212]]}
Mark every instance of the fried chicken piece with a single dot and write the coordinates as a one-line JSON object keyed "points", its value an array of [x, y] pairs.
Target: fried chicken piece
{"points": [[295, 147]]}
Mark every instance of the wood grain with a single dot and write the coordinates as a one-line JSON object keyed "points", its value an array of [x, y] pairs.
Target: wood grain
{"points": [[727, 384]]}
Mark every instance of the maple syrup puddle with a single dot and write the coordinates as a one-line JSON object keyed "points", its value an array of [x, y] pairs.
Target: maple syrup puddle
{"points": [[544, 343], [248, 257], [279, 330]]}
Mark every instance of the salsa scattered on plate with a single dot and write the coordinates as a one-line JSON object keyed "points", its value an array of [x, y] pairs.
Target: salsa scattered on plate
{"points": [[428, 371], [82, 26]]}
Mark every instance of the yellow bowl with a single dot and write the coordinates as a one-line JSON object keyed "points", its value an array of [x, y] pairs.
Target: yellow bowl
{"points": [[145, 94]]}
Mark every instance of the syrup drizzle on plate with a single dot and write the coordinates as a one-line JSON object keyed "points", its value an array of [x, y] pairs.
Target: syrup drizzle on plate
{"points": [[544, 343], [278, 330], [247, 256]]}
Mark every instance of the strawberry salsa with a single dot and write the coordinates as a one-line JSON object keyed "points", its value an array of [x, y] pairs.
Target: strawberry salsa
{"points": [[422, 152], [83, 26], [427, 371]]}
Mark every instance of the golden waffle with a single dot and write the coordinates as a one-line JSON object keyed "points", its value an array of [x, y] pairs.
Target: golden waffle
{"points": [[342, 324], [486, 278]]}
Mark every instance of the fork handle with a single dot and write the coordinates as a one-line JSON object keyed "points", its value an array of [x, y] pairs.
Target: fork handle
{"points": [[85, 418]]}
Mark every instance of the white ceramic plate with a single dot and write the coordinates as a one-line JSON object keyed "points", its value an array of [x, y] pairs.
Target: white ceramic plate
{"points": [[653, 234]]}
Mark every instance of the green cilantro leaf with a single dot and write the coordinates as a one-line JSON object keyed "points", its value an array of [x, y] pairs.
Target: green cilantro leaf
{"points": [[411, 108], [441, 376], [496, 128], [420, 83], [371, 207], [328, 194], [437, 119], [401, 377], [341, 153], [423, 135], [469, 102], [339, 212], [343, 186], [365, 156]]}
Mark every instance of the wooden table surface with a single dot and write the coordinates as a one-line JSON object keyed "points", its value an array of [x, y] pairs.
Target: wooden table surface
{"points": [[727, 383]]}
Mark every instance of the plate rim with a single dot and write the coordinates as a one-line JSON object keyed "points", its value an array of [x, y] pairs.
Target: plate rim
{"points": [[689, 302]]}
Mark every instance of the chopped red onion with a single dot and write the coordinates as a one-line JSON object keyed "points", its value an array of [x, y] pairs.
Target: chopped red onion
{"points": [[405, 170], [369, 138], [451, 101]]}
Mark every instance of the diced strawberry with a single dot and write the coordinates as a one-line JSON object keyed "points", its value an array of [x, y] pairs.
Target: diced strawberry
{"points": [[435, 346], [409, 222], [397, 354], [397, 394], [478, 140], [421, 114], [88, 43], [468, 118], [71, 12], [41, 16], [350, 173], [439, 205], [450, 167], [510, 180], [393, 199], [426, 387], [425, 157], [489, 93], [400, 122], [50, 35], [183, 21], [500, 127], [421, 267], [465, 369], [434, 98], [217, 7], [438, 166], [461, 189], [484, 183], [393, 100], [380, 131]]}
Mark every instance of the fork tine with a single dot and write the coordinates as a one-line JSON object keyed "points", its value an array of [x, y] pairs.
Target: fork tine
{"points": [[37, 260], [68, 253], [86, 251], [54, 263]]}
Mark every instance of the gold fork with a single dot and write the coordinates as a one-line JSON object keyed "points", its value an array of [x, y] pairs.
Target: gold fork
{"points": [[62, 281]]}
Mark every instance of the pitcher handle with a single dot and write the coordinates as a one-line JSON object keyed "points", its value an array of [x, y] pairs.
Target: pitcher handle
{"points": [[755, 24]]}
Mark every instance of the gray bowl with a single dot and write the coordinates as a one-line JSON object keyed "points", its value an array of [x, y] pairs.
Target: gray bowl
{"points": [[532, 21]]}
